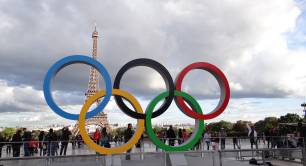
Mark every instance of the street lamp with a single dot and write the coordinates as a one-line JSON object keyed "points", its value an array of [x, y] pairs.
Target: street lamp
{"points": [[304, 106]]}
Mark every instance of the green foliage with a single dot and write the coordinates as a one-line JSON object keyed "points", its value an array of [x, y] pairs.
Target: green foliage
{"points": [[290, 118], [8, 132], [239, 128], [266, 124], [119, 131], [232, 129], [216, 127]]}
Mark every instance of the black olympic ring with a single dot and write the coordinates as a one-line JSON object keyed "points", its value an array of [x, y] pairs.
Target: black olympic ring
{"points": [[161, 70]]}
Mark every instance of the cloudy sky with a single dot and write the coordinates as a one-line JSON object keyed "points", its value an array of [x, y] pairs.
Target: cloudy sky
{"points": [[259, 45]]}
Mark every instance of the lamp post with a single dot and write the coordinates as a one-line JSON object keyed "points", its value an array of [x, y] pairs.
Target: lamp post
{"points": [[304, 107]]}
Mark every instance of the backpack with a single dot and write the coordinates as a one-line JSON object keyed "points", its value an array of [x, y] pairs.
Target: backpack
{"points": [[253, 161]]}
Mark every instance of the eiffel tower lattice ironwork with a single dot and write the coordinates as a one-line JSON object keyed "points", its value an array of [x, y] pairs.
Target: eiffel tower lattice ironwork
{"points": [[93, 87]]}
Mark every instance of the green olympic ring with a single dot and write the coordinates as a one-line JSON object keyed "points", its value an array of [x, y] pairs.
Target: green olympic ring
{"points": [[199, 126]]}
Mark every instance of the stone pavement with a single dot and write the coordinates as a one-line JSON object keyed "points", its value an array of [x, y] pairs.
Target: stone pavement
{"points": [[148, 160]]}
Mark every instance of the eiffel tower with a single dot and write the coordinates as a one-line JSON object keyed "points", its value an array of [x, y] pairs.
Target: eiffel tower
{"points": [[93, 87]]}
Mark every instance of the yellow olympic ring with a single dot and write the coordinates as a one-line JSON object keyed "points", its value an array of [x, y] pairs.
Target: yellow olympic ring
{"points": [[115, 150]]}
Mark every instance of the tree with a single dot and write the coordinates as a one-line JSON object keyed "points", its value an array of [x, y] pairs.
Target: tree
{"points": [[216, 127], [260, 126], [8, 132], [271, 122], [239, 128], [290, 118]]}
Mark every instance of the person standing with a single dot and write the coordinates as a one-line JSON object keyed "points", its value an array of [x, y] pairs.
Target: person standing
{"points": [[185, 135], [171, 136], [16, 143], [33, 144], [301, 133], [207, 139], [41, 138], [128, 134], [51, 139], [64, 140], [180, 136], [223, 137], [268, 137], [164, 135], [235, 141], [27, 136], [105, 138], [252, 135], [1, 143], [97, 136], [215, 141], [8, 146]]}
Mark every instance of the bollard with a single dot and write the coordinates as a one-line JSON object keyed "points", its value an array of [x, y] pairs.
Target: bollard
{"points": [[165, 158], [304, 152], [213, 157], [220, 157], [103, 160], [202, 149], [142, 150], [263, 157]]}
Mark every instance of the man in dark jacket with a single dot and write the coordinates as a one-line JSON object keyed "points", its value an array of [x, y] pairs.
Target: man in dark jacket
{"points": [[16, 143], [51, 139], [41, 139], [64, 140], [27, 135], [171, 135], [301, 134], [128, 134], [1, 143]]}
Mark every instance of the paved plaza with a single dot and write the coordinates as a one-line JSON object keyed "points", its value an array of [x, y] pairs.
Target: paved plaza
{"points": [[84, 157], [136, 160]]}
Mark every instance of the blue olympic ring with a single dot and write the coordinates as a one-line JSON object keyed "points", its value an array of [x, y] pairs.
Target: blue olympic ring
{"points": [[72, 60]]}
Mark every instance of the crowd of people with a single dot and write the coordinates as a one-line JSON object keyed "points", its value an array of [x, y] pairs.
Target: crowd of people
{"points": [[53, 143], [46, 144], [273, 138]]}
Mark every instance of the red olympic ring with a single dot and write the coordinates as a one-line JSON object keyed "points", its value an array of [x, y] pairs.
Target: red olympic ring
{"points": [[222, 81]]}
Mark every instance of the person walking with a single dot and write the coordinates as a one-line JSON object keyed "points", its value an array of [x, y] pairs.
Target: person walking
{"points": [[128, 134], [171, 136], [16, 143], [64, 140], [207, 139]]}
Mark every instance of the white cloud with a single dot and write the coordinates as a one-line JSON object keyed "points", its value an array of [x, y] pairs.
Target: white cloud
{"points": [[248, 40]]}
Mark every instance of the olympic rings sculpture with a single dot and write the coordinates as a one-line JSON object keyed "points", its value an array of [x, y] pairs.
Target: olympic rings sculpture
{"points": [[186, 103]]}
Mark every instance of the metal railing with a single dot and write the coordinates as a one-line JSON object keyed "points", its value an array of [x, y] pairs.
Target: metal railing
{"points": [[244, 152], [215, 158]]}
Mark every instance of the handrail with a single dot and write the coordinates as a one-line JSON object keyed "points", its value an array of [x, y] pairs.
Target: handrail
{"points": [[141, 153], [73, 140]]}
